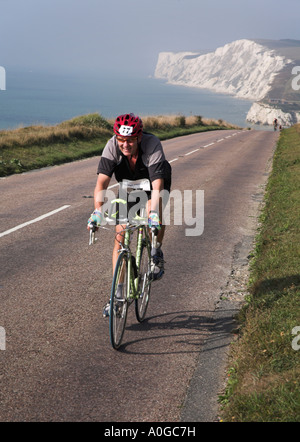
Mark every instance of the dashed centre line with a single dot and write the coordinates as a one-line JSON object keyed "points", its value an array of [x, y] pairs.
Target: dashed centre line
{"points": [[40, 218], [193, 151], [53, 212], [206, 145]]}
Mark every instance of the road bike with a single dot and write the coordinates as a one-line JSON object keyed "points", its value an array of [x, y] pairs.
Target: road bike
{"points": [[133, 275]]}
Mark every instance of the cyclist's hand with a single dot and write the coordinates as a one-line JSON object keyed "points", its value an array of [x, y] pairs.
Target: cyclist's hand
{"points": [[153, 220], [95, 219]]}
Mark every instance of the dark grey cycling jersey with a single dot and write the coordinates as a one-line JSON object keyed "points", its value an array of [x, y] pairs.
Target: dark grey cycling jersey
{"points": [[151, 162]]}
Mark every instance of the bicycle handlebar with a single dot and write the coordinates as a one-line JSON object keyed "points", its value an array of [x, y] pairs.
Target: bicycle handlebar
{"points": [[93, 228]]}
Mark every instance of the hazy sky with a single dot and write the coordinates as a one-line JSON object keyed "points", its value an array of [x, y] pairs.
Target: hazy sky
{"points": [[127, 35]]}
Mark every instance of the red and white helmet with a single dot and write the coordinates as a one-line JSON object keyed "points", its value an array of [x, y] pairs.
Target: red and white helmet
{"points": [[128, 125]]}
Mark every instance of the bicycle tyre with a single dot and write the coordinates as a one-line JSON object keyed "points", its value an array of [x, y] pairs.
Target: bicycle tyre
{"points": [[118, 304], [145, 276]]}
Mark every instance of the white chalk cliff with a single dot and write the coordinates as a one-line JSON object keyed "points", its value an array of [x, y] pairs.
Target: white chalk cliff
{"points": [[261, 113], [244, 69]]}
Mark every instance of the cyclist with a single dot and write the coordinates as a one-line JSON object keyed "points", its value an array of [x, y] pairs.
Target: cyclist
{"points": [[133, 154]]}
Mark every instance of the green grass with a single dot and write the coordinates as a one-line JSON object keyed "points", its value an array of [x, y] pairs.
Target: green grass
{"points": [[84, 136], [264, 376]]}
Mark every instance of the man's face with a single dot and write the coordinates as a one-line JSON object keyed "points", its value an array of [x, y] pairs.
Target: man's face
{"points": [[128, 145]]}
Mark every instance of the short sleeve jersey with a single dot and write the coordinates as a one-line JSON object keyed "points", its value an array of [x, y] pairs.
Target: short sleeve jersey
{"points": [[151, 162]]}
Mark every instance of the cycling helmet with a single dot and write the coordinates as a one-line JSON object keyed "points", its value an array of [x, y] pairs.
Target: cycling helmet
{"points": [[128, 125]]}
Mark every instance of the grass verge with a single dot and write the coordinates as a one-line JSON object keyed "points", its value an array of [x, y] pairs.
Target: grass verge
{"points": [[85, 136], [264, 375]]}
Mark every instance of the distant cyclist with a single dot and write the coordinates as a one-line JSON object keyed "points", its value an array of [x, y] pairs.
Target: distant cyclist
{"points": [[132, 154], [275, 123]]}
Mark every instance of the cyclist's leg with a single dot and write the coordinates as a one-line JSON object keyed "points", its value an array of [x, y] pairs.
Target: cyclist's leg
{"points": [[161, 232], [157, 254], [119, 238]]}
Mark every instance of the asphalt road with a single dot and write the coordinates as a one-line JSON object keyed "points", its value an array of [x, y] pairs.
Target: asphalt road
{"points": [[58, 364]]}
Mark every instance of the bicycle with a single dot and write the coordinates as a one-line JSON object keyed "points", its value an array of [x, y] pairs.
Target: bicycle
{"points": [[132, 277]]}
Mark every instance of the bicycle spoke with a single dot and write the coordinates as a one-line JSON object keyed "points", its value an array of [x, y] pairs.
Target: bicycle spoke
{"points": [[118, 302], [141, 304]]}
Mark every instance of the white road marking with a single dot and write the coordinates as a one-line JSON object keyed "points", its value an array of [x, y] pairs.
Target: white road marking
{"points": [[193, 151], [40, 218]]}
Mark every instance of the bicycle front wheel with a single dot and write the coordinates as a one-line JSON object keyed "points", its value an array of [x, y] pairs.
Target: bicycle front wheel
{"points": [[141, 303], [119, 301]]}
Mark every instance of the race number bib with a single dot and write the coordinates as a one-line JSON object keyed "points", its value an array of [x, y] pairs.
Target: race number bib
{"points": [[129, 185]]}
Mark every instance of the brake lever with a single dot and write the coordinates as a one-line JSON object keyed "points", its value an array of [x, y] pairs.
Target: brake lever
{"points": [[93, 229]]}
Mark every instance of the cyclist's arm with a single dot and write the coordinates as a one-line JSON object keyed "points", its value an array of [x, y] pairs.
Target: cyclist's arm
{"points": [[157, 186], [99, 192]]}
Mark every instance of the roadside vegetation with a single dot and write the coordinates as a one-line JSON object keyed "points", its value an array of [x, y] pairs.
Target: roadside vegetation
{"points": [[264, 374], [33, 147]]}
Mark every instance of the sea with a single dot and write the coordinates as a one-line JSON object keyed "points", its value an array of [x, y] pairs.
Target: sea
{"points": [[35, 97]]}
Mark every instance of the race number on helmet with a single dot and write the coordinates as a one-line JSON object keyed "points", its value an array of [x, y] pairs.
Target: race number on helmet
{"points": [[125, 131], [128, 125]]}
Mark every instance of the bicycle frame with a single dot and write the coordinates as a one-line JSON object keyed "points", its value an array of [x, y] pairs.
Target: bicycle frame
{"points": [[133, 279], [137, 273], [126, 247]]}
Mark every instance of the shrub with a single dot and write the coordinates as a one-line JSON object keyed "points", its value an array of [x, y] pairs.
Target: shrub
{"points": [[181, 121]]}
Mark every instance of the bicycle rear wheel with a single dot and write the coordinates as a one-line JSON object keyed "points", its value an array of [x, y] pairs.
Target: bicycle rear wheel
{"points": [[118, 301], [141, 303]]}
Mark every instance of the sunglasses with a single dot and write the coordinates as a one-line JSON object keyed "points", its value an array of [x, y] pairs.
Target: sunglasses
{"points": [[130, 140]]}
